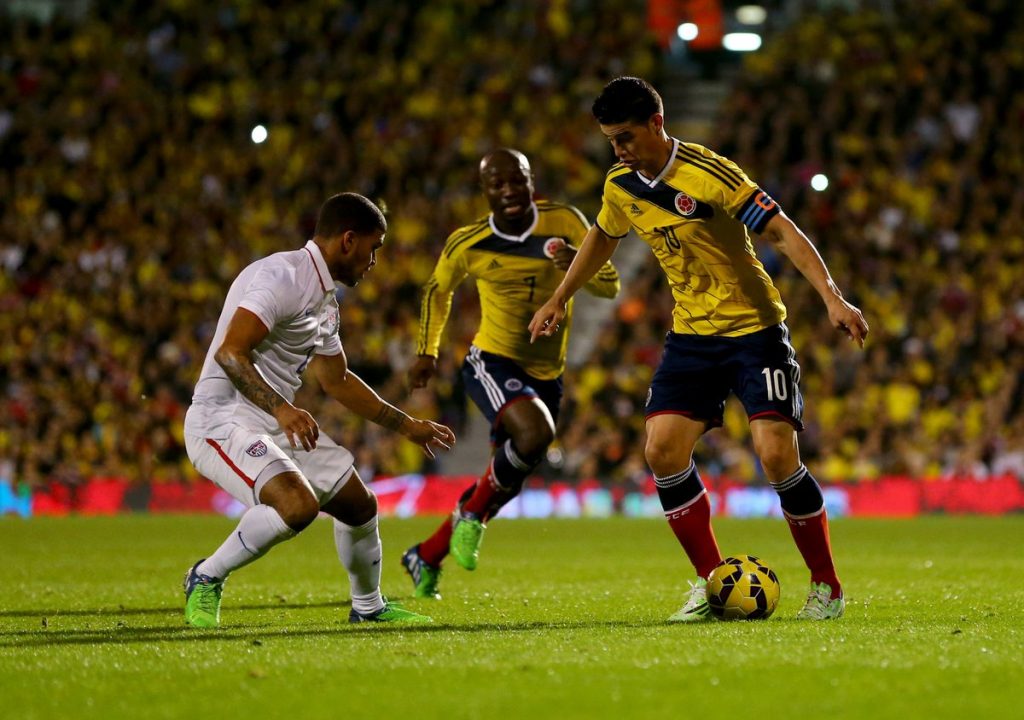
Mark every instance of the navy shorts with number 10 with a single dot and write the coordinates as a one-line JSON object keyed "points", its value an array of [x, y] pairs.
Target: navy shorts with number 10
{"points": [[697, 373]]}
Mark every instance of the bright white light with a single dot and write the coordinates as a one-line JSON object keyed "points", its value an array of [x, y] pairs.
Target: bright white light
{"points": [[687, 31], [819, 182], [259, 134], [751, 14], [741, 42]]}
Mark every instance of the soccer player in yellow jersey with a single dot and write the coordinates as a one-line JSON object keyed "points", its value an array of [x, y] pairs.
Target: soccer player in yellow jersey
{"points": [[518, 254], [696, 209]]}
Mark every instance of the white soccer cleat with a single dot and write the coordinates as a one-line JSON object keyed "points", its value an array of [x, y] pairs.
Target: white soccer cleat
{"points": [[696, 608], [821, 605]]}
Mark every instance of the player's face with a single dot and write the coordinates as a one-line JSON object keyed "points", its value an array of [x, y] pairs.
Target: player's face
{"points": [[509, 189], [638, 146], [361, 256]]}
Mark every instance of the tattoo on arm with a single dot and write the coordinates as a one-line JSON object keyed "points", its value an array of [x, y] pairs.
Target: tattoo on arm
{"points": [[244, 376], [390, 417]]}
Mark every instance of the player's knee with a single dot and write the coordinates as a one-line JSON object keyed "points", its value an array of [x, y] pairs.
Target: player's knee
{"points": [[778, 460], [665, 457], [298, 509], [363, 510], [531, 443]]}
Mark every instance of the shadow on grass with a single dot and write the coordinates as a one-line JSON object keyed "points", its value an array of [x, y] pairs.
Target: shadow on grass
{"points": [[252, 634], [165, 610]]}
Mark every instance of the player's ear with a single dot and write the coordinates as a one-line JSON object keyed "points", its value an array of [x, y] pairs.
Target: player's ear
{"points": [[656, 123], [348, 241]]}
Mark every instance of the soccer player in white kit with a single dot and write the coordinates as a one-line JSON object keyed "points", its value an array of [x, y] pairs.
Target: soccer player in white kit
{"points": [[243, 432]]}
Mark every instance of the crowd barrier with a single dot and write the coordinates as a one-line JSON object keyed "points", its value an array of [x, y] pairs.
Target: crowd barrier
{"points": [[411, 495]]}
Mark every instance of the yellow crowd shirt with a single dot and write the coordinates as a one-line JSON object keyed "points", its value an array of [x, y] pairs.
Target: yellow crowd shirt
{"points": [[515, 275], [695, 216]]}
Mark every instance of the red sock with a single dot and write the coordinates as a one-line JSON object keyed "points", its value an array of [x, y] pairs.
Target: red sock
{"points": [[692, 526], [483, 496], [435, 548], [811, 536]]}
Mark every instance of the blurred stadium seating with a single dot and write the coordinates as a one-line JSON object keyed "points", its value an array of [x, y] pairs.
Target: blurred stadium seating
{"points": [[131, 194]]}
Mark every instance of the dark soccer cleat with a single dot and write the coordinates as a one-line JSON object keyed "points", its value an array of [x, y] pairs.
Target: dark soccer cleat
{"points": [[202, 599], [424, 576], [391, 612]]}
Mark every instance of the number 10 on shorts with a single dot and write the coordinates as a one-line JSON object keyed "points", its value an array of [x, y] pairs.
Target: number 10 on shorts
{"points": [[775, 382]]}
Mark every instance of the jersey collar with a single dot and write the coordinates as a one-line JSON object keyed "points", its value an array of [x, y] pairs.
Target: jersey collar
{"points": [[664, 170], [516, 238], [320, 265]]}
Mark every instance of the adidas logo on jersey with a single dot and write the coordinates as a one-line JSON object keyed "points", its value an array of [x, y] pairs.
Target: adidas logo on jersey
{"points": [[494, 264], [635, 210]]}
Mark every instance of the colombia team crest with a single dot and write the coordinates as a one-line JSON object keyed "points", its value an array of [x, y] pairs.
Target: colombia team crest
{"points": [[553, 245], [685, 204]]}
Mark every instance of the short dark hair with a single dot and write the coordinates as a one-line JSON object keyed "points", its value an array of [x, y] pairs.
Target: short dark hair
{"points": [[627, 100], [349, 211]]}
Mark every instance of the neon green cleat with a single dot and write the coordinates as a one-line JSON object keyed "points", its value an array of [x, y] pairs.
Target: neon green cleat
{"points": [[202, 599], [821, 605], [391, 612], [696, 608], [424, 577], [467, 537]]}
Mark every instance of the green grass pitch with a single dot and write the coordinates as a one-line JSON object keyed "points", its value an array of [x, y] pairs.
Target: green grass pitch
{"points": [[563, 619]]}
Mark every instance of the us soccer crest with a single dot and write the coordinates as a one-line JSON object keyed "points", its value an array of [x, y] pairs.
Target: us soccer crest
{"points": [[257, 449], [685, 205], [553, 245]]}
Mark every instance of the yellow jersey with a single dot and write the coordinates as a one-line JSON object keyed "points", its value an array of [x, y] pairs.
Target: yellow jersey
{"points": [[695, 216], [515, 275]]}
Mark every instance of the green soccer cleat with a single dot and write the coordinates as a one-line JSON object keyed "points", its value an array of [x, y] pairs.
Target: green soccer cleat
{"points": [[202, 599], [467, 536], [821, 605], [696, 608], [391, 612], [424, 577]]}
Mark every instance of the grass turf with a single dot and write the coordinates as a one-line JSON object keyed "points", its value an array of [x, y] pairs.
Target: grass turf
{"points": [[562, 619]]}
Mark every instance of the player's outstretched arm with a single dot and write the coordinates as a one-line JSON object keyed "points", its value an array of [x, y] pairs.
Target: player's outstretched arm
{"points": [[594, 252], [349, 389], [791, 242], [244, 333]]}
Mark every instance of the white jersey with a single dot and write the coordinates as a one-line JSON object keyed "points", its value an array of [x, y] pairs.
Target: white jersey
{"points": [[292, 293]]}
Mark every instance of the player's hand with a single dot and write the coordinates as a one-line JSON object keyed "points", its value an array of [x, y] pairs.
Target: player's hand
{"points": [[849, 319], [430, 436], [298, 425], [563, 256], [546, 320], [421, 371]]}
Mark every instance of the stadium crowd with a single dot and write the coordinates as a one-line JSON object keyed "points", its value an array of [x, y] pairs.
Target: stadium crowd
{"points": [[131, 194]]}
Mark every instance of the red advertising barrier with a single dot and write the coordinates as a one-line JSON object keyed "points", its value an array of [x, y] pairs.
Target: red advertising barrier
{"points": [[410, 495]]}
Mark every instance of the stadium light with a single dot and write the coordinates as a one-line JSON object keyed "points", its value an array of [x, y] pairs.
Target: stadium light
{"points": [[741, 41], [259, 134], [819, 182], [687, 31], [751, 14]]}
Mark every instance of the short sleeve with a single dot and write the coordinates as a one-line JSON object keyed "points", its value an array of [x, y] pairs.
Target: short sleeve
{"points": [[611, 220], [731, 189], [272, 296]]}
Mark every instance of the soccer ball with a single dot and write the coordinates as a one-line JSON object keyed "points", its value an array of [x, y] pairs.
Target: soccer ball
{"points": [[743, 588]]}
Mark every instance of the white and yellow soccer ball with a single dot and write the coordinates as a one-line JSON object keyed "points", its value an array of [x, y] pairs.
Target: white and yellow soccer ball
{"points": [[743, 588]]}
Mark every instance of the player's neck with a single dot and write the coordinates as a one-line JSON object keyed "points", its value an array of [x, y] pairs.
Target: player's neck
{"points": [[653, 169], [516, 226]]}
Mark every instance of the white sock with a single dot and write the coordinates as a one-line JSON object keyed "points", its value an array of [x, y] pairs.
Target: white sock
{"points": [[360, 552], [260, 529]]}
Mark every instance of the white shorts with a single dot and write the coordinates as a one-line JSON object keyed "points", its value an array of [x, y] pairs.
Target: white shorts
{"points": [[240, 461]]}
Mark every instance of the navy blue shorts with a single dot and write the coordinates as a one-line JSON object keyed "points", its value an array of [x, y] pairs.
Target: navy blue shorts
{"points": [[698, 372], [495, 382]]}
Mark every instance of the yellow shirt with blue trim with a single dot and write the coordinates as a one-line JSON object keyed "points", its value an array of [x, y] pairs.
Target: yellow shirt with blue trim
{"points": [[515, 275], [696, 216]]}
